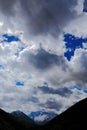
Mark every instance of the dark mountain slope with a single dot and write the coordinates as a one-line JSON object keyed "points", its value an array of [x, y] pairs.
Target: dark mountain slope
{"points": [[23, 117], [75, 118], [10, 122]]}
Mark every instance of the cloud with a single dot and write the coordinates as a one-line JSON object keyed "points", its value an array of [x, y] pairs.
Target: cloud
{"points": [[85, 6], [31, 97], [64, 92], [60, 91], [79, 61], [53, 104], [27, 62], [41, 17], [45, 60], [57, 103], [80, 29], [7, 7], [44, 16]]}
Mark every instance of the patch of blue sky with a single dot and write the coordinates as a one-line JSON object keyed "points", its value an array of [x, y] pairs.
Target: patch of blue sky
{"points": [[78, 88], [75, 87], [85, 90], [9, 38], [19, 83], [72, 43]]}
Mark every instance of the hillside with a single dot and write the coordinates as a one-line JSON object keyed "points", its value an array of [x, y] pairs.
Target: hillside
{"points": [[11, 122], [73, 118]]}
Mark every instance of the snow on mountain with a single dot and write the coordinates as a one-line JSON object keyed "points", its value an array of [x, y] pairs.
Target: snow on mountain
{"points": [[41, 117]]}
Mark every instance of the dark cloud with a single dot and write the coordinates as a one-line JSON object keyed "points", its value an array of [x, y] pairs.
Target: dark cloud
{"points": [[45, 60], [80, 76], [48, 16], [64, 92], [85, 6], [7, 7], [42, 16], [29, 99], [53, 105]]}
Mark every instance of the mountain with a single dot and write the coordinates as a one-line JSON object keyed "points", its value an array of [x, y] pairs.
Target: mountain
{"points": [[11, 122], [41, 117], [74, 118], [22, 116]]}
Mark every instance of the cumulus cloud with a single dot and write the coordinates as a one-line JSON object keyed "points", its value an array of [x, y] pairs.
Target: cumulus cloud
{"points": [[79, 61], [56, 70], [34, 95], [56, 103]]}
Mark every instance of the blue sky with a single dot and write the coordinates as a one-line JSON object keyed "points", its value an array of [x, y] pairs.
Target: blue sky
{"points": [[72, 43], [9, 38], [43, 53], [19, 83]]}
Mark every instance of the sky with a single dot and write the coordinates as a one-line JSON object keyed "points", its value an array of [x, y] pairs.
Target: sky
{"points": [[43, 52]]}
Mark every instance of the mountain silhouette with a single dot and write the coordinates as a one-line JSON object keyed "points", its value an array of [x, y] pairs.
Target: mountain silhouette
{"points": [[73, 118], [12, 122], [22, 116]]}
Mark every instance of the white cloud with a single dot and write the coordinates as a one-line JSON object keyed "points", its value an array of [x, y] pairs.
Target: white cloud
{"points": [[77, 26], [19, 68], [78, 66]]}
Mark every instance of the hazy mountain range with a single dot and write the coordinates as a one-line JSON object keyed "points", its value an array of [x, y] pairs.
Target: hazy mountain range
{"points": [[73, 118]]}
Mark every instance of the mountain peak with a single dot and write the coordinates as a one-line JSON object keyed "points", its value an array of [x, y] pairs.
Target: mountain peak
{"points": [[22, 116], [41, 117]]}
